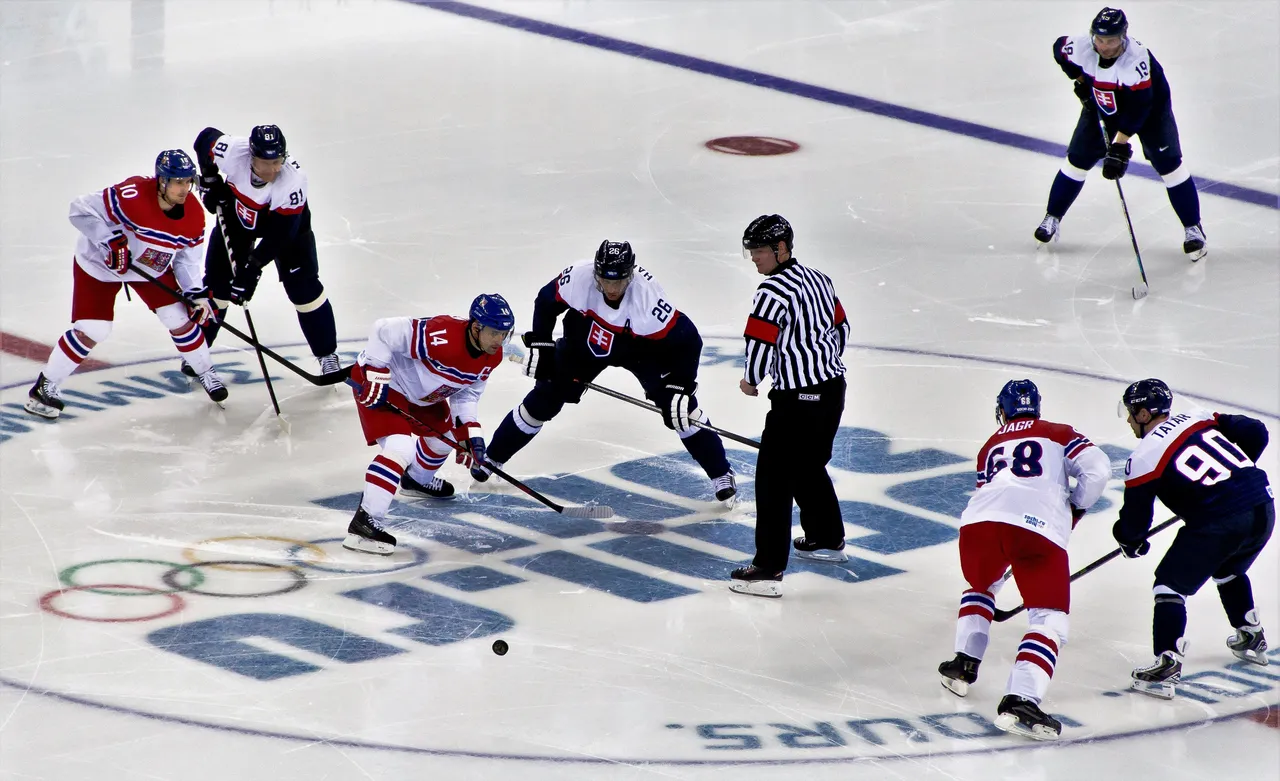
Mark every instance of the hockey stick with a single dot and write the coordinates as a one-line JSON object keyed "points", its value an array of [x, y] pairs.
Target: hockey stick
{"points": [[331, 378], [597, 512], [1140, 291], [654, 408], [1005, 615]]}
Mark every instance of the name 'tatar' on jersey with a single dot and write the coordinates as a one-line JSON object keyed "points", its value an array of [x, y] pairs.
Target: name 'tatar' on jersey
{"points": [[430, 362]]}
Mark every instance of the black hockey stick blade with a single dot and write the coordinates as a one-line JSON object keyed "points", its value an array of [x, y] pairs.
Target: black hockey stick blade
{"points": [[597, 511], [1005, 615]]}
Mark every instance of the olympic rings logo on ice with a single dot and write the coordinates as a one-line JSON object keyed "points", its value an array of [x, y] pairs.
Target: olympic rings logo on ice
{"points": [[177, 580]]}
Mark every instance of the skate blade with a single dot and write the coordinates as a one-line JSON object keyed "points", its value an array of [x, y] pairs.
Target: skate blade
{"points": [[825, 556], [729, 503], [423, 495], [956, 686], [359, 544], [1009, 723], [1253, 657], [1195, 255], [41, 410], [757, 588], [1161, 691]]}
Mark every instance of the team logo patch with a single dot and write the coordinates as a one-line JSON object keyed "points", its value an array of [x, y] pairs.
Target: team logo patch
{"points": [[1106, 100], [155, 259], [248, 217], [600, 340]]}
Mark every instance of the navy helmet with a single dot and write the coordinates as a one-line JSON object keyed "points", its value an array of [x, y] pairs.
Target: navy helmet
{"points": [[766, 231], [1150, 394], [174, 164], [1017, 398], [615, 260], [1109, 22], [266, 142], [492, 311]]}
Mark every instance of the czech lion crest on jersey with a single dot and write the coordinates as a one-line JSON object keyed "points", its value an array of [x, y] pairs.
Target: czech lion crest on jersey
{"points": [[599, 340], [1106, 100]]}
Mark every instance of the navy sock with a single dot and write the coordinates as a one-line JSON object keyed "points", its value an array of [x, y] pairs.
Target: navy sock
{"points": [[319, 329], [1186, 202], [1062, 194], [507, 440], [1169, 623], [1237, 599], [707, 449]]}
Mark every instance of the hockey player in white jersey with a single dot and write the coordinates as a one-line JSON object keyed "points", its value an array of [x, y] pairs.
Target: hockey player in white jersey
{"points": [[261, 193], [615, 314], [144, 221], [1021, 516]]}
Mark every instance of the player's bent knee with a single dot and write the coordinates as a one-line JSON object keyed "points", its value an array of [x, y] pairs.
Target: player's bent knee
{"points": [[1164, 593], [92, 331], [1175, 177], [174, 316], [399, 448], [1076, 168], [1055, 621]]}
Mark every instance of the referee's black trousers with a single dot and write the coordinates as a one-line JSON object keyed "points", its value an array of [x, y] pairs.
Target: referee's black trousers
{"points": [[792, 465]]}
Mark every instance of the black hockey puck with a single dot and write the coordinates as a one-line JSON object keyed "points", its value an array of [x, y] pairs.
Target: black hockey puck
{"points": [[500, 647]]}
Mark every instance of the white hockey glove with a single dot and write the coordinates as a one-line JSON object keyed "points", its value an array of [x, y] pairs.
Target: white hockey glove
{"points": [[202, 309]]}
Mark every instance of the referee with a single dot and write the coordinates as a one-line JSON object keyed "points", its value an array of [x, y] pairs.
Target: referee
{"points": [[796, 333]]}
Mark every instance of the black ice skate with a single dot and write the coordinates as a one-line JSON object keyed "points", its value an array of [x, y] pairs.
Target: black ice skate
{"points": [[1249, 644], [1047, 231], [1159, 679], [815, 551], [213, 386], [44, 399], [435, 488], [365, 536], [1020, 716], [186, 369], [959, 673], [726, 489], [1194, 243], [756, 582]]}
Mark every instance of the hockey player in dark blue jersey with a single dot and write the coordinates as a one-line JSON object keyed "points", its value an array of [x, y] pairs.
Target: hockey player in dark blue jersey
{"points": [[615, 314], [1120, 80], [1201, 466]]}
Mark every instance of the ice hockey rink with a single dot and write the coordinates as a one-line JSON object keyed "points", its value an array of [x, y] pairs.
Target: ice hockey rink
{"points": [[174, 599]]}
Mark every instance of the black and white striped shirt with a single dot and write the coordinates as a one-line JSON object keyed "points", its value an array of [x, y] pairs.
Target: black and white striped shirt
{"points": [[797, 329]]}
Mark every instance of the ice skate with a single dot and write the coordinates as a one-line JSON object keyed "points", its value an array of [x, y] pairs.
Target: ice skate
{"points": [[1021, 716], [213, 386], [365, 536], [1160, 678], [959, 673], [726, 489], [814, 551], [44, 399], [1194, 243], [1047, 231], [186, 369], [435, 488], [1249, 644], [756, 582], [329, 363]]}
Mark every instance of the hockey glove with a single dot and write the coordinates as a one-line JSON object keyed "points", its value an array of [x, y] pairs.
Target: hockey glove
{"points": [[1117, 161], [202, 309], [539, 356], [1085, 93], [1130, 548], [215, 192], [118, 255], [373, 392], [473, 449], [680, 410], [245, 283]]}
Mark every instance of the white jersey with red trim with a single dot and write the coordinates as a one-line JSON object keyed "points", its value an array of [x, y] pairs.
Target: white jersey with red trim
{"points": [[643, 311], [1022, 477], [430, 362], [286, 195], [157, 241]]}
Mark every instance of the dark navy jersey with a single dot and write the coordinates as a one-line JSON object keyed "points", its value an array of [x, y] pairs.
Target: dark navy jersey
{"points": [[1200, 465], [1129, 91]]}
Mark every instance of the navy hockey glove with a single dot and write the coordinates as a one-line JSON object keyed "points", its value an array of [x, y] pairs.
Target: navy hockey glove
{"points": [[1117, 161], [1132, 549], [680, 410], [1085, 93], [245, 283], [215, 193], [539, 357], [373, 392], [118, 255]]}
